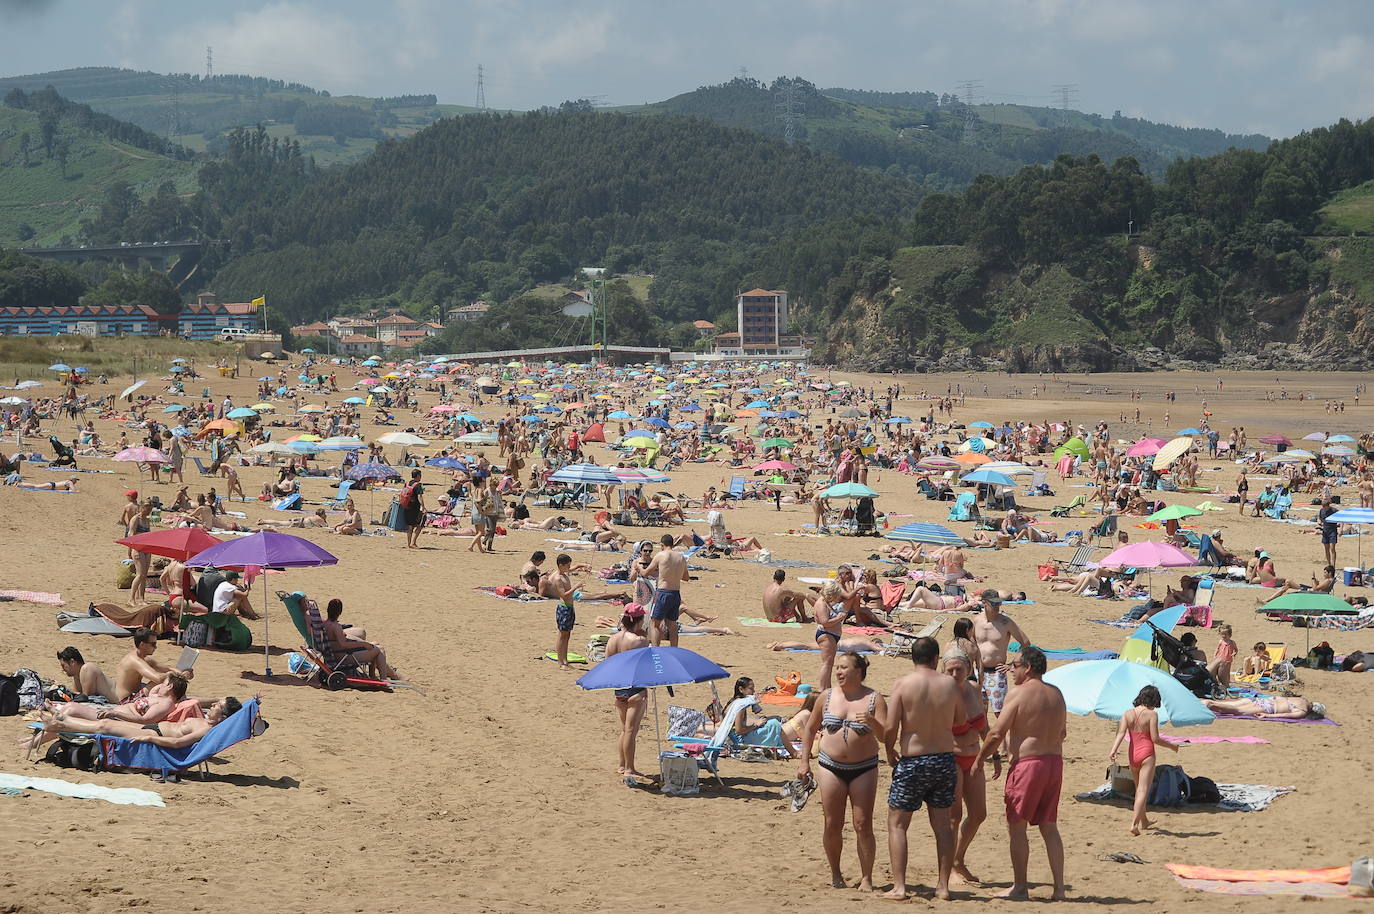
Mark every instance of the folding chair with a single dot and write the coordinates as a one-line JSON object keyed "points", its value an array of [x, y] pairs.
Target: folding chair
{"points": [[1081, 557], [204, 470], [339, 497]]}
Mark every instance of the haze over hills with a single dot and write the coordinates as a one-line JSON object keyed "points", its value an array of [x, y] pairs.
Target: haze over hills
{"points": [[908, 234]]}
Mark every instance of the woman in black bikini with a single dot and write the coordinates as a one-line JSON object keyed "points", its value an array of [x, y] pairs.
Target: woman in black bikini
{"points": [[1243, 490], [829, 612], [850, 724]]}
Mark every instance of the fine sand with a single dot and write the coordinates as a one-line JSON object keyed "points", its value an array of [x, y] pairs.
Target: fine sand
{"points": [[497, 791]]}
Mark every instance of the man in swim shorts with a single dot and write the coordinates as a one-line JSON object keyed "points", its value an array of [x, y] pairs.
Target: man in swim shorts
{"points": [[1033, 724], [992, 632], [670, 569], [557, 585], [922, 712]]}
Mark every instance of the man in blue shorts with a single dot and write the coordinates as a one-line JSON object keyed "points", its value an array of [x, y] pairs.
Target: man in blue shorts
{"points": [[670, 567], [558, 586]]}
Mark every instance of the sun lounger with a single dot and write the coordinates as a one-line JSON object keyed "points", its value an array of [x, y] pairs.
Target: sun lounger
{"points": [[1081, 557], [720, 740], [204, 470], [241, 725], [339, 497], [1064, 510]]}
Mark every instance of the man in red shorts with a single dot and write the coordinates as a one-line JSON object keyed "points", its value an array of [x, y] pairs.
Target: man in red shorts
{"points": [[1033, 723]]}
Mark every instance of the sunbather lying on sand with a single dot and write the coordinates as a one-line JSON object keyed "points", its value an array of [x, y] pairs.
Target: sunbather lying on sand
{"points": [[61, 485], [1269, 706], [309, 520], [931, 598], [866, 645]]}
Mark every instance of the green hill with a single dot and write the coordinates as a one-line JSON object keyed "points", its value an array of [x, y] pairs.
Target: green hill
{"points": [[1350, 212], [46, 197], [198, 112]]}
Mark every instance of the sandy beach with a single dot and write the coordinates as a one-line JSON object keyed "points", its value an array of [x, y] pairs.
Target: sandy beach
{"points": [[497, 790]]}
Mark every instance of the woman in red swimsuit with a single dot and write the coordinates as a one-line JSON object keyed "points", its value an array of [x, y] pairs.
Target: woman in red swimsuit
{"points": [[1141, 724], [972, 789]]}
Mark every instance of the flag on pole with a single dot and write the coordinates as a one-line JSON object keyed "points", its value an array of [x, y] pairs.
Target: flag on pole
{"points": [[259, 302]]}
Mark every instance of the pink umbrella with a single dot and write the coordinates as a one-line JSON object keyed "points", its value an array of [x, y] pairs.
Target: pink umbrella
{"points": [[1145, 447], [140, 455], [1148, 555], [776, 465], [1276, 440]]}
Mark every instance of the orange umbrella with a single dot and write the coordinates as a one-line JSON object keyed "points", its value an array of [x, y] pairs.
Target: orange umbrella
{"points": [[972, 458], [228, 426], [746, 413]]}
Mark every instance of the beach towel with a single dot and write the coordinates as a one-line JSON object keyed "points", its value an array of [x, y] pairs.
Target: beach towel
{"points": [[1278, 720], [1118, 623], [1197, 740], [1234, 797], [1332, 875], [1223, 887], [761, 622], [779, 698], [33, 596], [120, 796], [48, 491]]}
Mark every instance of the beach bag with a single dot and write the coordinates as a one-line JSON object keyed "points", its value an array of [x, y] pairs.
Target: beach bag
{"points": [[30, 689], [9, 695], [196, 634], [1046, 571], [1170, 787], [1203, 790], [1321, 657], [596, 648], [396, 517], [124, 575], [82, 754], [1361, 877], [300, 666]]}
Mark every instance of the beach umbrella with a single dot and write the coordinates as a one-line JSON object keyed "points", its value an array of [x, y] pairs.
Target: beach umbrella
{"points": [[850, 413], [1315, 436], [403, 439], [619, 414], [354, 401], [27, 385], [301, 446], [478, 438], [1338, 450], [1107, 688], [445, 463], [311, 408], [175, 408], [635, 441], [264, 407], [341, 443], [657, 422], [637, 475], [263, 550], [1334, 439], [1075, 446], [926, 533], [20, 401], [311, 351], [649, 668], [585, 473], [1148, 554], [373, 471], [1171, 452], [782, 465], [972, 458], [1174, 512], [899, 420], [129, 391], [140, 455], [937, 463], [990, 477], [849, 490], [1308, 603], [1276, 440], [1284, 458], [1145, 447], [178, 543], [777, 442], [1190, 430], [1009, 468], [59, 366], [241, 412], [977, 445], [1300, 452], [1353, 516], [272, 447], [758, 404], [980, 424]]}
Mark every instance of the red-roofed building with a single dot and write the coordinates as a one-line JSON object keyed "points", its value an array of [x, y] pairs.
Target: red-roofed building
{"points": [[391, 325], [357, 344]]}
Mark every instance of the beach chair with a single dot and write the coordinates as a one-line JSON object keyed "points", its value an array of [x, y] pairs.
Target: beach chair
{"points": [[290, 502], [903, 640], [1064, 510], [339, 497], [925, 488], [1280, 507], [227, 631], [336, 672], [1081, 557], [965, 507], [1207, 554], [1191, 538], [736, 489], [1105, 528], [892, 593], [1037, 482], [202, 468], [243, 724]]}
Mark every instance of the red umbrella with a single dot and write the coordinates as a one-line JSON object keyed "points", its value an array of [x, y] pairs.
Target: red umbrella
{"points": [[179, 543]]}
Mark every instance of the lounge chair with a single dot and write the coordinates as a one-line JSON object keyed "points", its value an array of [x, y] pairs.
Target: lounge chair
{"points": [[1280, 507], [1207, 554], [241, 725], [1105, 528], [1064, 510], [204, 470], [1081, 557], [339, 497], [965, 507], [720, 741], [336, 671], [736, 489]]}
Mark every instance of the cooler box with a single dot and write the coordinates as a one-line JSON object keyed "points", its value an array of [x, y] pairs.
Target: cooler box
{"points": [[1353, 577], [1123, 784], [679, 771]]}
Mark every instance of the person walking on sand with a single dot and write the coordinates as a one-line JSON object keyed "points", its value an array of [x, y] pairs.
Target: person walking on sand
{"points": [[923, 712], [412, 500], [670, 568], [1141, 723], [630, 704], [1033, 723]]}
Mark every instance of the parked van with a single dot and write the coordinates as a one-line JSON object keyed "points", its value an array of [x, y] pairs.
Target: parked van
{"points": [[232, 333]]}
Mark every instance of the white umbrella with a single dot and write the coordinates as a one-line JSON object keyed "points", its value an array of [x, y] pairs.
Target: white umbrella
{"points": [[128, 391], [403, 439]]}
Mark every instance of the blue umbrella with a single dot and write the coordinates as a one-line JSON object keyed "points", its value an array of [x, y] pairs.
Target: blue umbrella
{"points": [[926, 533], [242, 412], [550, 409], [690, 408], [619, 414], [899, 420], [311, 351], [531, 419], [685, 425], [656, 422], [980, 424], [1108, 687], [849, 490], [59, 366], [789, 414], [304, 447], [1353, 516], [468, 417], [174, 408], [648, 667], [354, 401], [989, 476], [373, 471], [758, 404], [586, 473], [445, 463], [1190, 431]]}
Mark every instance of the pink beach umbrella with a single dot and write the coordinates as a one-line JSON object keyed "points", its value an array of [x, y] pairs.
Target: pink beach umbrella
{"points": [[1145, 447], [1148, 554], [140, 455]]}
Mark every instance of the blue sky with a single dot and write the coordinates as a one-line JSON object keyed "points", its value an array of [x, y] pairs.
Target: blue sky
{"points": [[1266, 66]]}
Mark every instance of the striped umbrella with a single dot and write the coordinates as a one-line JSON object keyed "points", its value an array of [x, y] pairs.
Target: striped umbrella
{"points": [[635, 475], [938, 463], [586, 473], [926, 533]]}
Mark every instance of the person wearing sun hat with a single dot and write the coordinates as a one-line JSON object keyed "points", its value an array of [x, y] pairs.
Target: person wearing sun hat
{"points": [[630, 704]]}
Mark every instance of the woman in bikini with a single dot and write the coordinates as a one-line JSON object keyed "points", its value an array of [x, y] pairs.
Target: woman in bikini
{"points": [[870, 600], [850, 725], [1141, 724], [829, 612], [630, 704], [971, 794]]}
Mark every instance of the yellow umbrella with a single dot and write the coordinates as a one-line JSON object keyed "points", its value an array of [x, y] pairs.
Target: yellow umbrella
{"points": [[542, 396], [692, 381], [525, 381], [263, 407]]}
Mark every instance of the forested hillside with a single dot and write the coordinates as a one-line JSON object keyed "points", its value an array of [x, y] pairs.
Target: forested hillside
{"points": [[1037, 270]]}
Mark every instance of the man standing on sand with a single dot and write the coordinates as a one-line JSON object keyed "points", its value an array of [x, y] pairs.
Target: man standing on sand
{"points": [[558, 585], [992, 632], [1033, 724], [924, 708], [670, 567], [781, 604]]}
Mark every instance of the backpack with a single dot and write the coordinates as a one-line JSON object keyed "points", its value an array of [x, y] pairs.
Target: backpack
{"points": [[1321, 657], [30, 689], [82, 754], [1170, 786], [124, 575], [9, 695], [407, 498], [1203, 790], [196, 634]]}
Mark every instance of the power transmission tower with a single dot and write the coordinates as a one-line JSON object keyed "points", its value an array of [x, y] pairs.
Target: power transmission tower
{"points": [[174, 115], [481, 88], [791, 110], [1068, 95], [209, 62], [971, 89], [743, 72]]}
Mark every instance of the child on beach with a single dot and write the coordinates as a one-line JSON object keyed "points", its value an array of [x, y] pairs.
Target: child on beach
{"points": [[1141, 724], [1220, 667]]}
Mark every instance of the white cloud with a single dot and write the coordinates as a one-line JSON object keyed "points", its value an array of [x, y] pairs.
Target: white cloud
{"points": [[563, 43]]}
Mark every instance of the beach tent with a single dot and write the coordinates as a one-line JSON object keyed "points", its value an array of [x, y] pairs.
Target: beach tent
{"points": [[1074, 446], [595, 432]]}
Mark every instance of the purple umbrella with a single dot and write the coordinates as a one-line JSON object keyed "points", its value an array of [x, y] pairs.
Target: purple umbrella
{"points": [[266, 549]]}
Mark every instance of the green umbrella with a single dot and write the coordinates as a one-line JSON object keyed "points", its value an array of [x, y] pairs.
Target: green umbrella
{"points": [[1073, 446], [1307, 603], [777, 442], [1174, 512], [638, 441]]}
